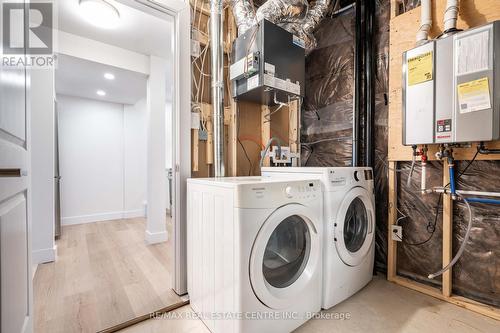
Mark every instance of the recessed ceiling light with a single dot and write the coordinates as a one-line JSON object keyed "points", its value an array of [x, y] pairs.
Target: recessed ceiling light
{"points": [[101, 93], [109, 76], [100, 13]]}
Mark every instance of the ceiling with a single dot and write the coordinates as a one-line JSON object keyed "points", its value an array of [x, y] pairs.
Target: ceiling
{"points": [[82, 78], [138, 31]]}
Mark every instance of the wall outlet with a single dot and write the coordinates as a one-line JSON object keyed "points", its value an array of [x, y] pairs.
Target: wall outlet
{"points": [[397, 233]]}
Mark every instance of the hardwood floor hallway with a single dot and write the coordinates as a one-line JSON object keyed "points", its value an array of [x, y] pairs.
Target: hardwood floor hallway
{"points": [[104, 275]]}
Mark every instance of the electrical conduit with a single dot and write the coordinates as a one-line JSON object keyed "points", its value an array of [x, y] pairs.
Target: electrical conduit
{"points": [[217, 53]]}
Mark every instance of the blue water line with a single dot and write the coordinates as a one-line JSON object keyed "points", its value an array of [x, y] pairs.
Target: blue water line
{"points": [[483, 200], [452, 179]]}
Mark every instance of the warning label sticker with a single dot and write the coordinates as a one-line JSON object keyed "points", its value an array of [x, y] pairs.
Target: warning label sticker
{"points": [[420, 68], [474, 95]]}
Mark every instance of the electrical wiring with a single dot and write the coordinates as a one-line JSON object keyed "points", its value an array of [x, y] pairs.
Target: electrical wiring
{"points": [[431, 225], [241, 143]]}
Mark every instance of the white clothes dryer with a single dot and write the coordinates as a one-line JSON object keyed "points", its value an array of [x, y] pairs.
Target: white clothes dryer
{"points": [[254, 252]]}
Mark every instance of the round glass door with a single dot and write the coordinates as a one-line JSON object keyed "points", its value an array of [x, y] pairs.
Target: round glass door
{"points": [[286, 256], [287, 252], [354, 234], [355, 225]]}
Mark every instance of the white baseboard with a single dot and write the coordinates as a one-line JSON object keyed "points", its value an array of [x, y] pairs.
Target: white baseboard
{"points": [[44, 255], [156, 237], [71, 220], [130, 214]]}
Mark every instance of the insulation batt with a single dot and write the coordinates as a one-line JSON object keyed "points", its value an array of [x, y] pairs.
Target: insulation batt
{"points": [[326, 131], [416, 262], [477, 274], [327, 116], [381, 133]]}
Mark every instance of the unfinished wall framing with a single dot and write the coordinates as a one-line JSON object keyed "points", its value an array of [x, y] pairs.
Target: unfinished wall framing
{"points": [[247, 131], [247, 125], [457, 285]]}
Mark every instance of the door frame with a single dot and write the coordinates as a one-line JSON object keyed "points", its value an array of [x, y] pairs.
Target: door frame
{"points": [[180, 12]]}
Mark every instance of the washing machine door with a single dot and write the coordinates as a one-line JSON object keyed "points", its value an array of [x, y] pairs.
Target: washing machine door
{"points": [[354, 226], [285, 256]]}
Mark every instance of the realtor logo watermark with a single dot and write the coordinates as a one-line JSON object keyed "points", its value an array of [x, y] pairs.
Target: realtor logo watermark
{"points": [[28, 34]]}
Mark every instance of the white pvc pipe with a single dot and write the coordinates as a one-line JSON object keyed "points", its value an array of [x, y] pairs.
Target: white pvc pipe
{"points": [[476, 193], [423, 183], [451, 14], [425, 22]]}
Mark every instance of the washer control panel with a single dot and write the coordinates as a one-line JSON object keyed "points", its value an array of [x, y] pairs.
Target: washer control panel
{"points": [[273, 193]]}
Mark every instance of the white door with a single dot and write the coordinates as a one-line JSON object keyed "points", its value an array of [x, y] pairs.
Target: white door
{"points": [[15, 273], [285, 255], [354, 230]]}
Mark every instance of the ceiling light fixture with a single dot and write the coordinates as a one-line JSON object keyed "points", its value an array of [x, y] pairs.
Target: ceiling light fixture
{"points": [[100, 13], [101, 93], [109, 76]]}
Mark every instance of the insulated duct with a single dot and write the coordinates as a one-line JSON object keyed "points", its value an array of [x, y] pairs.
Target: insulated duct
{"points": [[217, 53], [244, 15], [295, 16]]}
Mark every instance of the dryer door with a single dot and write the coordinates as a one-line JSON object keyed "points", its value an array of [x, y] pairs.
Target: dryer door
{"points": [[354, 227], [285, 256]]}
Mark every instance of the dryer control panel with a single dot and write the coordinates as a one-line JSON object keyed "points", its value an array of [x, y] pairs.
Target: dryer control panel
{"points": [[278, 193], [301, 191]]}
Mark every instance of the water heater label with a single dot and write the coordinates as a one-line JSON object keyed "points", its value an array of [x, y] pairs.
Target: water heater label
{"points": [[473, 53], [420, 68], [474, 95]]}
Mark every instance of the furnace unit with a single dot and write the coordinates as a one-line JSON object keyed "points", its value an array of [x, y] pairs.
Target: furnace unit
{"points": [[268, 65]]}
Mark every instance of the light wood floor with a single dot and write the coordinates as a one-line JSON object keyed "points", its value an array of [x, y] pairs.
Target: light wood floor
{"points": [[104, 275], [380, 307]]}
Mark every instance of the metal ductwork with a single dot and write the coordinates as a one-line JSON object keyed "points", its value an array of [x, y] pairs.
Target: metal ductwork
{"points": [[217, 66], [295, 16]]}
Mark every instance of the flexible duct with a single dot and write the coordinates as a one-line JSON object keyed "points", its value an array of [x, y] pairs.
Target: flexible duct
{"points": [[244, 15], [295, 16], [451, 15], [217, 53], [425, 22]]}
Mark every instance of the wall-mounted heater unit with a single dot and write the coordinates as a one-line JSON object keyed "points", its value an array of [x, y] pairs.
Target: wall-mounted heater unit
{"points": [[451, 88]]}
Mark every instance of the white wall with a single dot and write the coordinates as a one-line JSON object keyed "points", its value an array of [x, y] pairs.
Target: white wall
{"points": [[99, 180], [156, 228], [42, 165], [135, 143], [95, 51]]}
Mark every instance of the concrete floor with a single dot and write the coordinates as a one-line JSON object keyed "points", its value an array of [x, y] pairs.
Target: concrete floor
{"points": [[379, 307]]}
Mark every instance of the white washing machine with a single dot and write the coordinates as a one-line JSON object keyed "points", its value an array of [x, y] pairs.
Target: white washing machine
{"points": [[254, 252], [349, 227]]}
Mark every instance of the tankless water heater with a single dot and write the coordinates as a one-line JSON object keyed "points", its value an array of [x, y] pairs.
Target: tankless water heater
{"points": [[451, 88]]}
